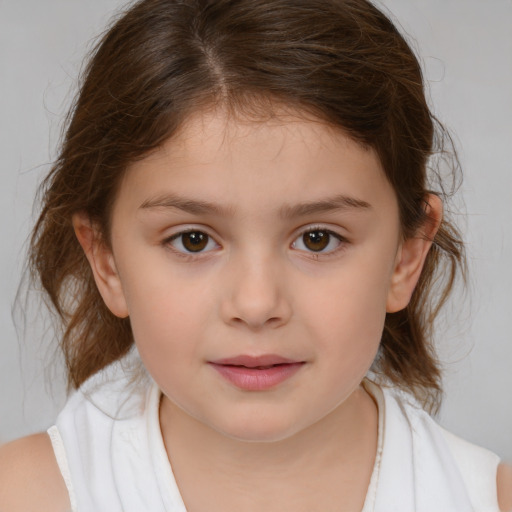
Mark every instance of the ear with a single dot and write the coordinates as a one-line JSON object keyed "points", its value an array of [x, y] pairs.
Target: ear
{"points": [[411, 257], [102, 263]]}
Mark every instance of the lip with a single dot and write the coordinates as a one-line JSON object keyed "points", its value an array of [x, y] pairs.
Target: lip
{"points": [[254, 361], [256, 373]]}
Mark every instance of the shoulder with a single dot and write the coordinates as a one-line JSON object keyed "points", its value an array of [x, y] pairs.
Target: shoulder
{"points": [[30, 478], [473, 470], [504, 479], [486, 464]]}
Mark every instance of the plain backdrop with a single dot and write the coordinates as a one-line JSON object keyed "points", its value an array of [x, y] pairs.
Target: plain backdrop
{"points": [[466, 50]]}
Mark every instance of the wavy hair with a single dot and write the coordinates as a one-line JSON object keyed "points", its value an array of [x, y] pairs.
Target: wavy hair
{"points": [[343, 61]]}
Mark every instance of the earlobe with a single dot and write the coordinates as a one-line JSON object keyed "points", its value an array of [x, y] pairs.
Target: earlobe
{"points": [[411, 257], [102, 264]]}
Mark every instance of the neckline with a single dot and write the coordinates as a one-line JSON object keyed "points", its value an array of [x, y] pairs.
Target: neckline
{"points": [[377, 394], [171, 495]]}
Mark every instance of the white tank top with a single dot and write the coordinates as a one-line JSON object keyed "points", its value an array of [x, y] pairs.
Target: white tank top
{"points": [[111, 454]]}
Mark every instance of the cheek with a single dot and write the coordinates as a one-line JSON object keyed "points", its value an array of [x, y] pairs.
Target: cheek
{"points": [[159, 291], [160, 305], [353, 296], [346, 313], [167, 314], [167, 335]]}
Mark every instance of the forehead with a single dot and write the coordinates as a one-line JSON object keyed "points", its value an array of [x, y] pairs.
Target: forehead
{"points": [[278, 129], [285, 157]]}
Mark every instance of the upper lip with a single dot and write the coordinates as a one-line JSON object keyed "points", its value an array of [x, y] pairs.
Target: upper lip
{"points": [[254, 361]]}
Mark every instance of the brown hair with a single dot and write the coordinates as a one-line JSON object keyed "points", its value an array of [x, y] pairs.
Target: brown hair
{"points": [[341, 60]]}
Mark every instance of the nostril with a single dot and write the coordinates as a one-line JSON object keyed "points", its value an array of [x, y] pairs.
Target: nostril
{"points": [[250, 302]]}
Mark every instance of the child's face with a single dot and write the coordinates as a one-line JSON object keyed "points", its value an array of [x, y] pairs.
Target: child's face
{"points": [[291, 252]]}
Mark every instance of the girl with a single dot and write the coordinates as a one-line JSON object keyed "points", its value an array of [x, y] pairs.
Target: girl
{"points": [[241, 239]]}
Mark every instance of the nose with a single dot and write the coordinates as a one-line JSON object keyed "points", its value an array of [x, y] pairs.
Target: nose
{"points": [[255, 294]]}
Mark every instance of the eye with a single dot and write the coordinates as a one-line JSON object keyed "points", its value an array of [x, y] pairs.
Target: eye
{"points": [[192, 242], [318, 240]]}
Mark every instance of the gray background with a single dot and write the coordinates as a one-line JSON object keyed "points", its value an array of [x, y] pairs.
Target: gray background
{"points": [[466, 48]]}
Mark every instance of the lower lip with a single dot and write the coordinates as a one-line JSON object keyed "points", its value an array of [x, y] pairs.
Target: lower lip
{"points": [[254, 379]]}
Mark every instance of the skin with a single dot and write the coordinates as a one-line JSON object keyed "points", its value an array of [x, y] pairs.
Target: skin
{"points": [[256, 288]]}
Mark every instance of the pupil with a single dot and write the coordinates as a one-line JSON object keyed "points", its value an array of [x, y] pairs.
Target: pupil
{"points": [[195, 241], [316, 240]]}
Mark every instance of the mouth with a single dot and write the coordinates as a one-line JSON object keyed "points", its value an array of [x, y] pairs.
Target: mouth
{"points": [[265, 360], [259, 373]]}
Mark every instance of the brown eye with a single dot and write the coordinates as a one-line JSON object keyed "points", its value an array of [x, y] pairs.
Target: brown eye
{"points": [[316, 240], [192, 242]]}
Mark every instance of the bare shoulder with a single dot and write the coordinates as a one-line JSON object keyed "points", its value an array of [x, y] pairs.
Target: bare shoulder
{"points": [[30, 478], [504, 479]]}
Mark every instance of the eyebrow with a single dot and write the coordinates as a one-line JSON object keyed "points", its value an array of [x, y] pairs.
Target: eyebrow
{"points": [[199, 207], [192, 206], [337, 203]]}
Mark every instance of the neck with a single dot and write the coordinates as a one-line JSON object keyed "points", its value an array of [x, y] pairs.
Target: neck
{"points": [[340, 442]]}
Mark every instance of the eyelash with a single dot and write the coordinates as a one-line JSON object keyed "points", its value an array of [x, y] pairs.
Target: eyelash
{"points": [[183, 252], [342, 242], [168, 242]]}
